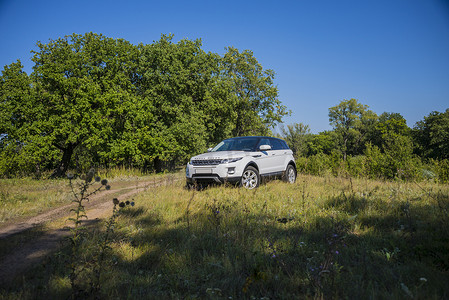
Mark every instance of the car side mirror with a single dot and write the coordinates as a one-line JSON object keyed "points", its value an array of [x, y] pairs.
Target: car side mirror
{"points": [[264, 147], [210, 149]]}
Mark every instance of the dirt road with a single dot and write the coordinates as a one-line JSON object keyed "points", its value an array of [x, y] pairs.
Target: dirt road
{"points": [[33, 251]]}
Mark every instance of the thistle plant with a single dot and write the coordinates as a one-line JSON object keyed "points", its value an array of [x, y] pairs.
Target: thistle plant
{"points": [[81, 192]]}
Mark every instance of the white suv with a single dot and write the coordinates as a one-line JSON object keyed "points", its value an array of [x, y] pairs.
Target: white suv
{"points": [[242, 160]]}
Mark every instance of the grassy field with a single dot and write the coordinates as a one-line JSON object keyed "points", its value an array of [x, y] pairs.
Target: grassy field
{"points": [[322, 237], [25, 197]]}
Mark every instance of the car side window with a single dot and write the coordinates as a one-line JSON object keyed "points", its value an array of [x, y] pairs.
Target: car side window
{"points": [[275, 144], [264, 142], [283, 144]]}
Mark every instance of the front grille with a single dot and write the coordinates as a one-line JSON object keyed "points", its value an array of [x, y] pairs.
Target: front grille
{"points": [[206, 162]]}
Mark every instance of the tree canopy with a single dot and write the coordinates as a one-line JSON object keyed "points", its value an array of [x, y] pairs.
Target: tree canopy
{"points": [[352, 121], [94, 100]]}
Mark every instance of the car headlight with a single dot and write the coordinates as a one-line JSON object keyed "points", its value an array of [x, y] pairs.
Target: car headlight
{"points": [[230, 160]]}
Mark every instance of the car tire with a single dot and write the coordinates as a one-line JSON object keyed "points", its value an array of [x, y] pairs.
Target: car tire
{"points": [[290, 174], [250, 178]]}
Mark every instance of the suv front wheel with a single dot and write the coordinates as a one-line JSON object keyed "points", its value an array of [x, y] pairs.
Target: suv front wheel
{"points": [[290, 174], [250, 178]]}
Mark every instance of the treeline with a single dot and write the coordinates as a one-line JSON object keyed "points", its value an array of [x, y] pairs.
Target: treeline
{"points": [[96, 101], [363, 144]]}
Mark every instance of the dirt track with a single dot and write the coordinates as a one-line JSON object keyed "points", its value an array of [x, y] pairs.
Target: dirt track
{"points": [[35, 250]]}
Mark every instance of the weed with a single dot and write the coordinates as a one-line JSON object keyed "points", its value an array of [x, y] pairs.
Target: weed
{"points": [[83, 269], [312, 239]]}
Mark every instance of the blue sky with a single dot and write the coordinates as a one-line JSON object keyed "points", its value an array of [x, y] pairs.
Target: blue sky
{"points": [[392, 55]]}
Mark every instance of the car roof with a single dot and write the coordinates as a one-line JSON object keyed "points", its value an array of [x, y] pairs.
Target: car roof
{"points": [[242, 137]]}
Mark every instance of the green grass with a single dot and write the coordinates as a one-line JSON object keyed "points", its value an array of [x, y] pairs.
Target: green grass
{"points": [[322, 237], [26, 197]]}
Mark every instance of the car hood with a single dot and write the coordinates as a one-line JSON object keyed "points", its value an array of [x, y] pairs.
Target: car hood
{"points": [[222, 155]]}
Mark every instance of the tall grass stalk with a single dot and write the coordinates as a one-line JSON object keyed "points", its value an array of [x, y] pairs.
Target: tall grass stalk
{"points": [[81, 194], [319, 238]]}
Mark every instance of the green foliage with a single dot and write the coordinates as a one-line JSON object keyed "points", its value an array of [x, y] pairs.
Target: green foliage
{"points": [[351, 121], [431, 135], [21, 148], [81, 82], [256, 98], [323, 142], [297, 137], [389, 145], [93, 100], [441, 169]]}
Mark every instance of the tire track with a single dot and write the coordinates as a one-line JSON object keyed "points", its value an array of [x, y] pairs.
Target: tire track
{"points": [[31, 253]]}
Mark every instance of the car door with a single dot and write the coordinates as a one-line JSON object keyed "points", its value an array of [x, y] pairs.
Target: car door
{"points": [[278, 154], [264, 159]]}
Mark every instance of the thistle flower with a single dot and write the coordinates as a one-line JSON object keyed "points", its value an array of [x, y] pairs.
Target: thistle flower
{"points": [[69, 175], [104, 182], [122, 204], [90, 175], [97, 179], [108, 187], [115, 201], [132, 203], [127, 202]]}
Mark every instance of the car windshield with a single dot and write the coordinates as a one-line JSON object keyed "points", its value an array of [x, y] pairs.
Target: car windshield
{"points": [[240, 144]]}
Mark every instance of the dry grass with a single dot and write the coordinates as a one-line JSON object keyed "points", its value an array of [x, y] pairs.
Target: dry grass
{"points": [[322, 237]]}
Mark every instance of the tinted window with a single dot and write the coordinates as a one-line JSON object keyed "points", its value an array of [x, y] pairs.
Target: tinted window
{"points": [[264, 141], [284, 144], [276, 144], [240, 144]]}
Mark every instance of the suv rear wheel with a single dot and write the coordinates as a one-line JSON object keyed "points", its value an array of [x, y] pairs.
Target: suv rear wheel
{"points": [[250, 178]]}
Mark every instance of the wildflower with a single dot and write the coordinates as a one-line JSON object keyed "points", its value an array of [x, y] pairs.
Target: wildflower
{"points": [[70, 176], [97, 179], [104, 182], [108, 187], [132, 203], [115, 201], [336, 252], [122, 204], [127, 202]]}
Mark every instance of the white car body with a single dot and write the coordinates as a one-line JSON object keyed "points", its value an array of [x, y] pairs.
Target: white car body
{"points": [[264, 157]]}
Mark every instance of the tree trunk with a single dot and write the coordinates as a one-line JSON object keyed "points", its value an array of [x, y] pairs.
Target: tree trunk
{"points": [[344, 149], [157, 165], [65, 161]]}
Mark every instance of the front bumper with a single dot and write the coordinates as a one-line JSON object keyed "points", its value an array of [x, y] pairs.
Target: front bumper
{"points": [[213, 174]]}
